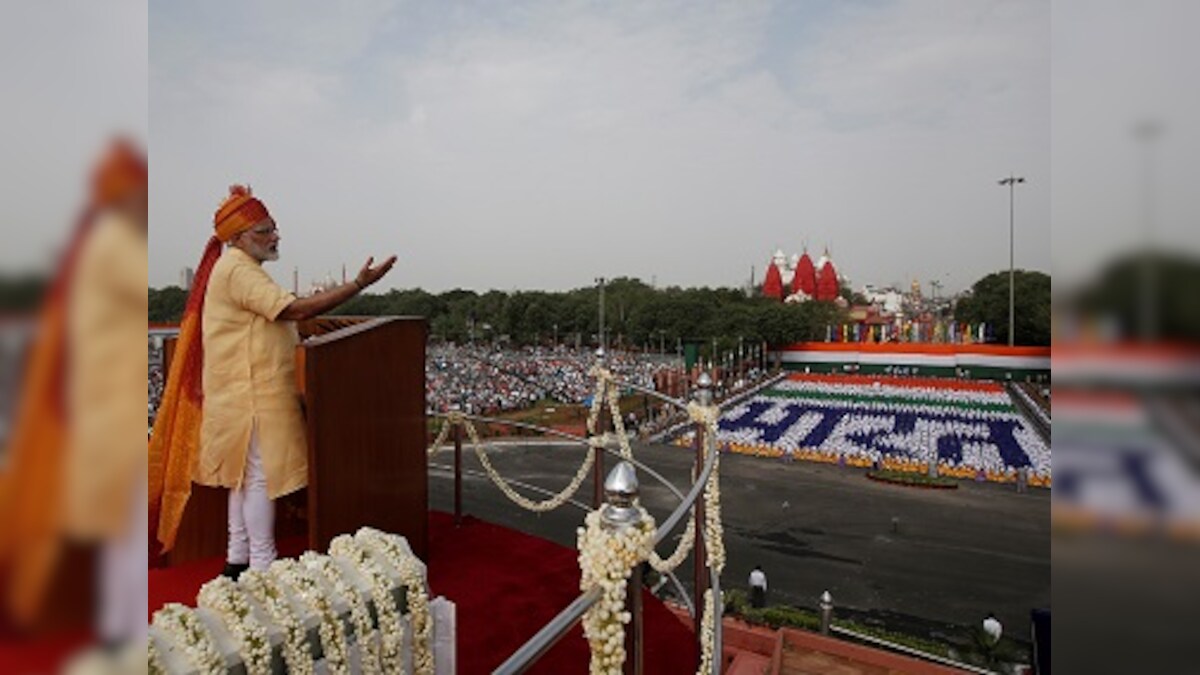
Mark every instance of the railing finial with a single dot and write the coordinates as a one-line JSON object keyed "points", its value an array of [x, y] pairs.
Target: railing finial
{"points": [[826, 606], [704, 391], [621, 489]]}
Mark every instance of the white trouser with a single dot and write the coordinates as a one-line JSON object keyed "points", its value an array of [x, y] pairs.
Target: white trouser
{"points": [[252, 515], [123, 575]]}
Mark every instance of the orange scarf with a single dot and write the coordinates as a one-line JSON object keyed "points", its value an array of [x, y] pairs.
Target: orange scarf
{"points": [[31, 485], [175, 440]]}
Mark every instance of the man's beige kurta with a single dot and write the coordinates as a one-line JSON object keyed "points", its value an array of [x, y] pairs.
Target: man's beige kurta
{"points": [[106, 447], [249, 379]]}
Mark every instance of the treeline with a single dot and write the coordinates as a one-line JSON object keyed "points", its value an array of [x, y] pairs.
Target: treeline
{"points": [[21, 293], [636, 315]]}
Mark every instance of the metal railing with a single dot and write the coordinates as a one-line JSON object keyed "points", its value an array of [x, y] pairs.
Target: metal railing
{"points": [[528, 654]]}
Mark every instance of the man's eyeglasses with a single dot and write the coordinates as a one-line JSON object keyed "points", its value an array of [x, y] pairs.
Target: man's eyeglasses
{"points": [[263, 231]]}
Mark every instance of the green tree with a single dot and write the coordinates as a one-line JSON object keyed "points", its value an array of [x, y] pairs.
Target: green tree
{"points": [[21, 293], [1119, 293], [988, 303], [166, 305]]}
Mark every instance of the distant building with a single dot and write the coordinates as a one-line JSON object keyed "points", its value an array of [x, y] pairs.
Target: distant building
{"points": [[887, 298], [799, 280], [322, 286], [186, 276]]}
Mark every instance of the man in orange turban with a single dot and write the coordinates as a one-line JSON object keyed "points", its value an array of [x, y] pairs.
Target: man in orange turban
{"points": [[76, 470], [241, 374]]}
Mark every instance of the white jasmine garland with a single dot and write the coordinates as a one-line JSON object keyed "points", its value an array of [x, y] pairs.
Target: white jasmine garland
{"points": [[388, 547], [223, 596], [707, 635], [452, 418], [714, 531], [154, 665], [606, 558], [193, 638], [332, 629], [542, 506], [296, 652], [368, 649], [391, 630], [685, 546]]}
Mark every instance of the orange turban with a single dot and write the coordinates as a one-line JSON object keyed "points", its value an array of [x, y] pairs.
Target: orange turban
{"points": [[239, 212], [120, 172]]}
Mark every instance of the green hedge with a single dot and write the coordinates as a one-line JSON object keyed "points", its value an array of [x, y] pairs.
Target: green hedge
{"points": [[970, 647]]}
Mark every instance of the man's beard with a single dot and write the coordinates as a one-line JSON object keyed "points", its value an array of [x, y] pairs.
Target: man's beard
{"points": [[266, 253]]}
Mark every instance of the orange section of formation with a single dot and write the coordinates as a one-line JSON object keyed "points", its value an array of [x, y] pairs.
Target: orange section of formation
{"points": [[917, 348]]}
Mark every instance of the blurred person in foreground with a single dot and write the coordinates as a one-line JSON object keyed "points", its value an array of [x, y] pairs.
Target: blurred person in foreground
{"points": [[77, 468], [231, 414]]}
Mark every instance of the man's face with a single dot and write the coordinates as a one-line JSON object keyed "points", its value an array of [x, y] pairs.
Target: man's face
{"points": [[261, 242]]}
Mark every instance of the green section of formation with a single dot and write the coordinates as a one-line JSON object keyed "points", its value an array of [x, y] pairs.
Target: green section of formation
{"points": [[893, 400]]}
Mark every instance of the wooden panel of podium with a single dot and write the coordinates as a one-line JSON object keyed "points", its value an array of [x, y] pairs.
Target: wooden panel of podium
{"points": [[363, 384]]}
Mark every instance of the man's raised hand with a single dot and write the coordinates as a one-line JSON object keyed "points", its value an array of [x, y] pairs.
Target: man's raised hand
{"points": [[369, 275]]}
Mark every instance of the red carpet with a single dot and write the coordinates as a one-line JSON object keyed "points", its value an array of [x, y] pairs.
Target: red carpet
{"points": [[506, 586], [42, 656]]}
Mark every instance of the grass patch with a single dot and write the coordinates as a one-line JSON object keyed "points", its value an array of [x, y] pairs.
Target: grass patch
{"points": [[968, 645], [912, 479]]}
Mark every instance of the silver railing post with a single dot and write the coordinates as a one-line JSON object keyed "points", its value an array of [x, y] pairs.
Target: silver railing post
{"points": [[619, 512], [598, 463], [457, 431], [826, 606]]}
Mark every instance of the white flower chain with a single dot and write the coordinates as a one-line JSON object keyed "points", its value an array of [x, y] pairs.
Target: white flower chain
{"points": [[714, 531], [708, 636], [332, 628], [543, 506], [368, 649], [391, 629], [606, 558], [154, 665], [388, 547], [223, 596], [705, 414], [296, 652], [685, 546], [188, 631], [714, 539], [607, 392], [452, 418]]}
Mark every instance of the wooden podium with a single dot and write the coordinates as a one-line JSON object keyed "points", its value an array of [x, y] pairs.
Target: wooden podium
{"points": [[363, 383]]}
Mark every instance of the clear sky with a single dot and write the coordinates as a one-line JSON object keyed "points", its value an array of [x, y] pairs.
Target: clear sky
{"points": [[539, 145], [72, 74]]}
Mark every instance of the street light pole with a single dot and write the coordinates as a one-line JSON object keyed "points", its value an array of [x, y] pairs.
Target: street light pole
{"points": [[1011, 182], [600, 282]]}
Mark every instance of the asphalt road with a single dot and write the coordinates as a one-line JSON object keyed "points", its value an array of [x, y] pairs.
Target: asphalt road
{"points": [[950, 558]]}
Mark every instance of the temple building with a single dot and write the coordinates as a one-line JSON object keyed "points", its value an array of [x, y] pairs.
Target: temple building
{"points": [[799, 280]]}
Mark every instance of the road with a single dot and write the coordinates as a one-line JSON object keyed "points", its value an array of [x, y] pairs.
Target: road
{"points": [[909, 559]]}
